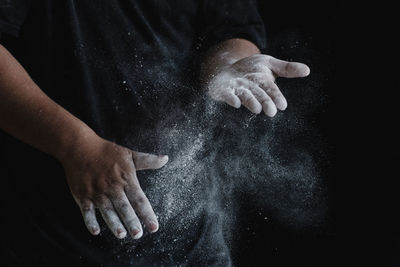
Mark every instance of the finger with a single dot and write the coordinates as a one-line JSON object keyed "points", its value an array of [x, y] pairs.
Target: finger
{"points": [[276, 95], [111, 218], [144, 161], [231, 99], [143, 208], [288, 69], [226, 96], [267, 104], [248, 100], [258, 93], [128, 216], [89, 217], [269, 87], [269, 107]]}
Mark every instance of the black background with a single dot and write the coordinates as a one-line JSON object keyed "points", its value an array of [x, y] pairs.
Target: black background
{"points": [[357, 49], [356, 44]]}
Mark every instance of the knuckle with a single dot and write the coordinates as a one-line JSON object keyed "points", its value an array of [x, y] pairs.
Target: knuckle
{"points": [[267, 102], [115, 182], [140, 200], [257, 92], [129, 153], [246, 102], [99, 198], [275, 88], [126, 176], [134, 186], [263, 99], [87, 208], [244, 97], [270, 90], [107, 208], [125, 207]]}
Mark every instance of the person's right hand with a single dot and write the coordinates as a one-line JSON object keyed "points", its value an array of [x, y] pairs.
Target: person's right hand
{"points": [[102, 175]]}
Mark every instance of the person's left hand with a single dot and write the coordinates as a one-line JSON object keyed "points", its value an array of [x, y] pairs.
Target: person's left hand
{"points": [[251, 82]]}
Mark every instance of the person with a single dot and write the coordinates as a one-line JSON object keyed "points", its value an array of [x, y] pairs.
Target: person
{"points": [[87, 83]]}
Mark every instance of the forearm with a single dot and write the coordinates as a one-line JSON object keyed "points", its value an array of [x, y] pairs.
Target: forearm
{"points": [[225, 54], [31, 116]]}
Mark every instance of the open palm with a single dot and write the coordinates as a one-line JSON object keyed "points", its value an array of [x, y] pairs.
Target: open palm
{"points": [[251, 82]]}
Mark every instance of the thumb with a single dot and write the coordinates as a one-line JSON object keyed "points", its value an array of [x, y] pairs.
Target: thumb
{"points": [[288, 69], [145, 161]]}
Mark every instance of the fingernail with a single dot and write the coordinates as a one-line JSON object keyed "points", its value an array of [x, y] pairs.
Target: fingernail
{"points": [[121, 233], [136, 233], [307, 71], [95, 230], [153, 227]]}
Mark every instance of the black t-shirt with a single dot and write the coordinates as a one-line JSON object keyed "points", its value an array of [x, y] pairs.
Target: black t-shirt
{"points": [[105, 61], [128, 69]]}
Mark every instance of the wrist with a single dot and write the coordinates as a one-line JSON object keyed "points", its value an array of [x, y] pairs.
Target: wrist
{"points": [[72, 143], [212, 66], [224, 55]]}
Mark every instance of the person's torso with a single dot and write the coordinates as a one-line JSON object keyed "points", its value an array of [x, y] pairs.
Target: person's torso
{"points": [[117, 65], [121, 67]]}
